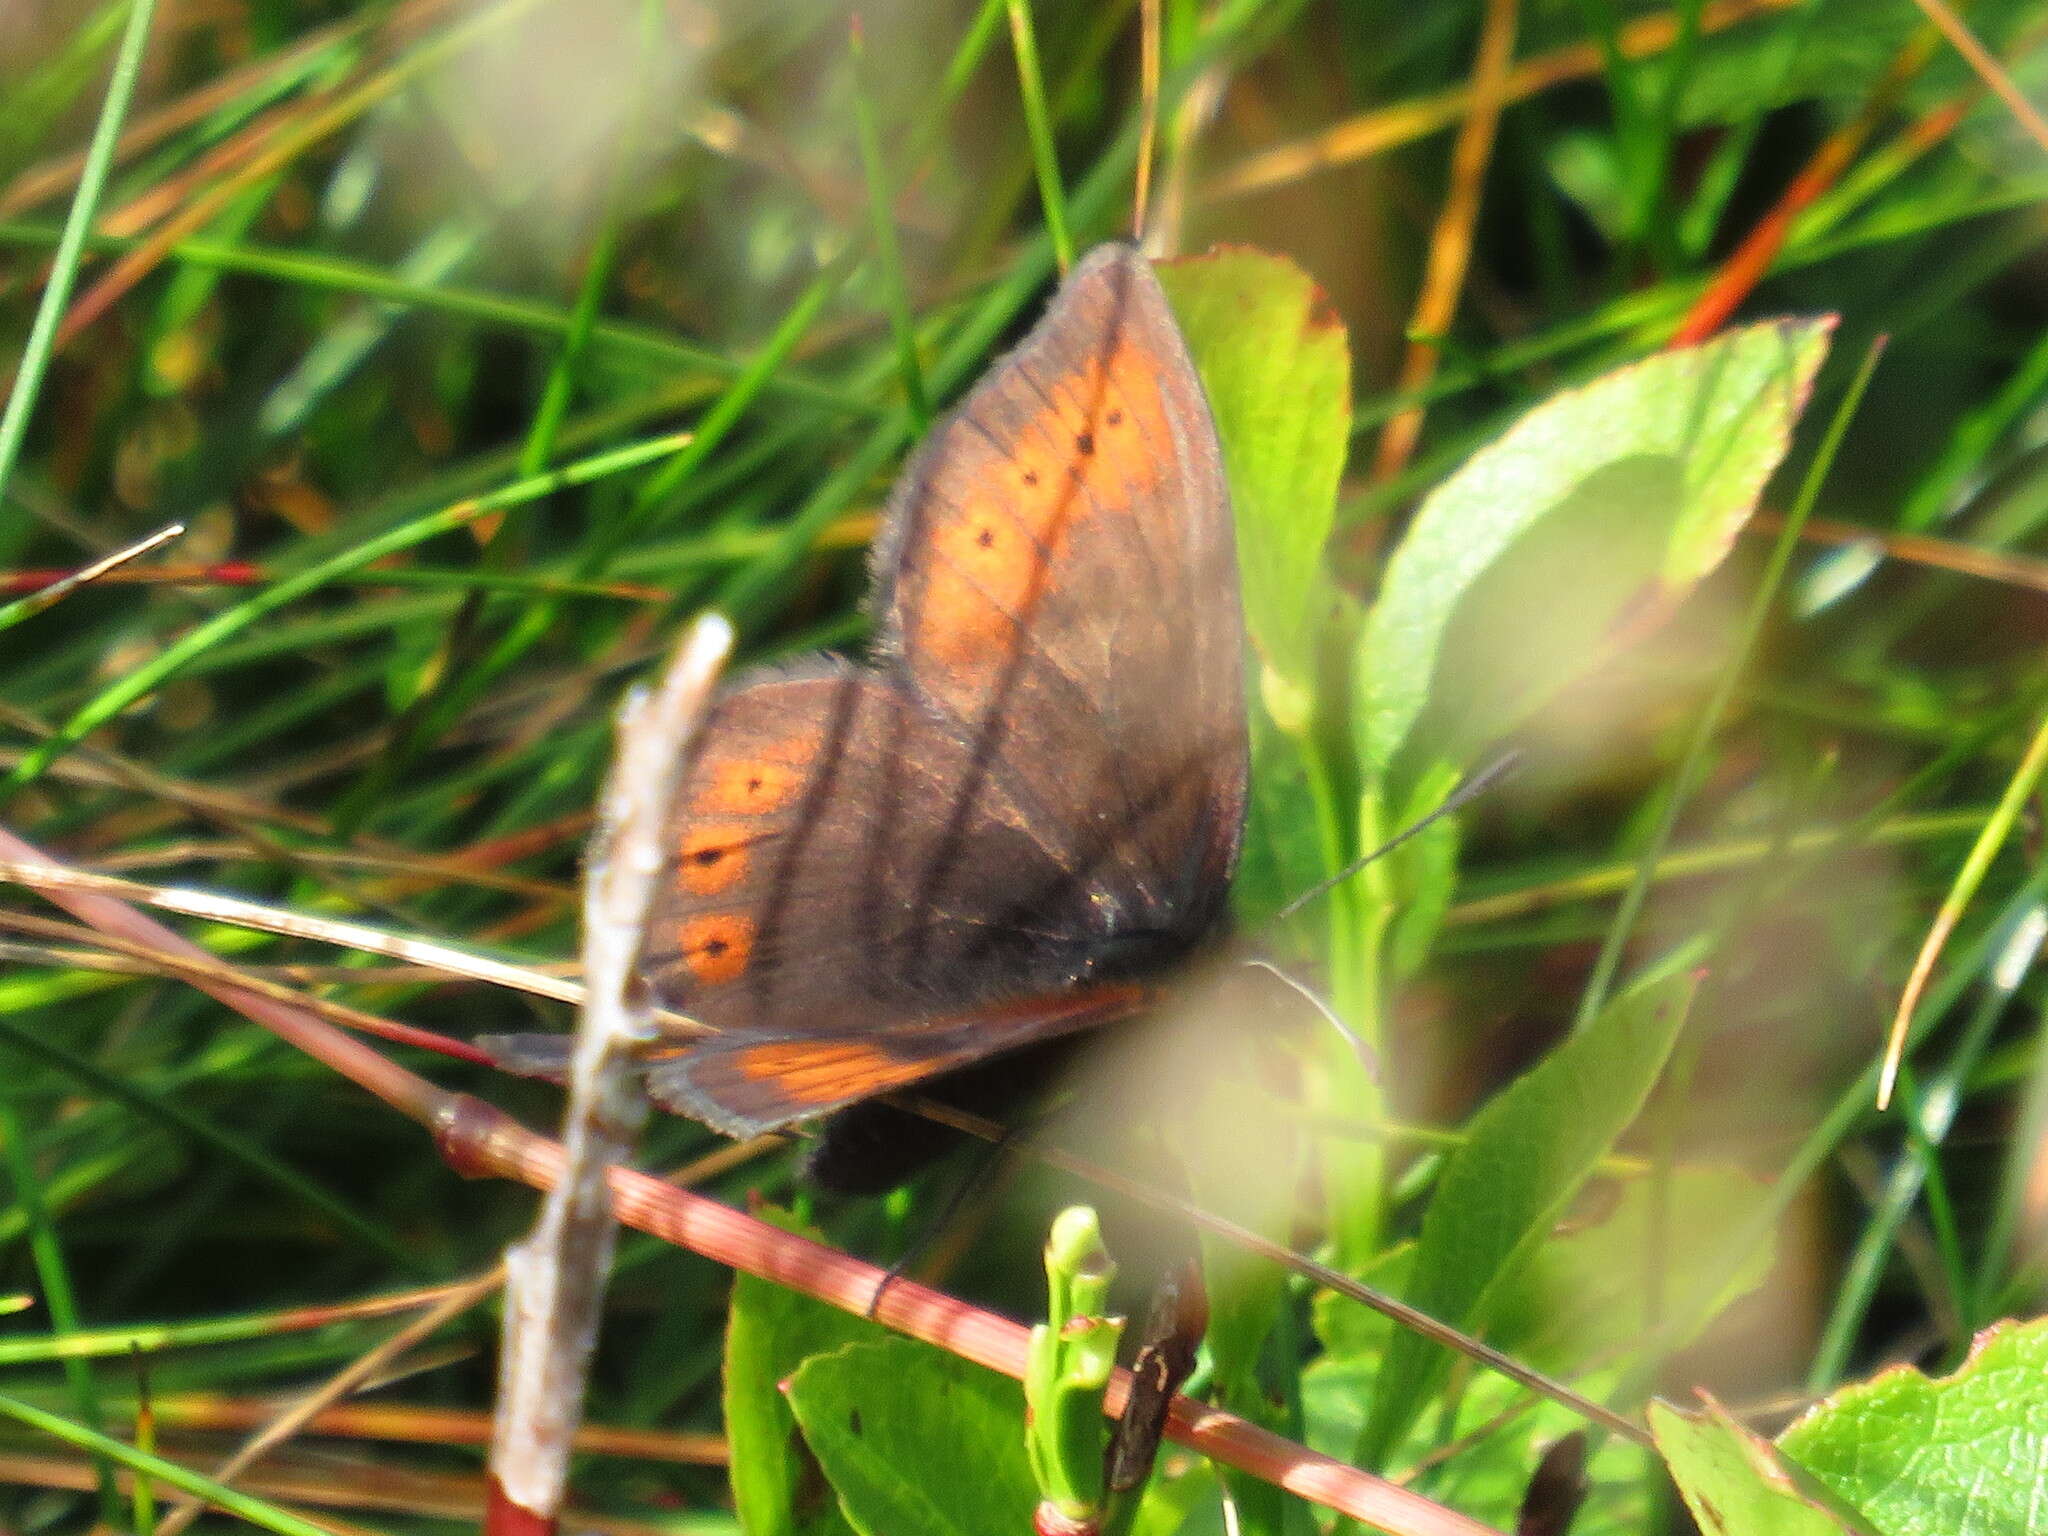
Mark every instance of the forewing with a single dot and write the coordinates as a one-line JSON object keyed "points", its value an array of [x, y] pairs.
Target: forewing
{"points": [[880, 875], [1058, 581]]}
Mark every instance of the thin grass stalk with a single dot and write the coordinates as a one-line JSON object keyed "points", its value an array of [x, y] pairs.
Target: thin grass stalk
{"points": [[43, 336]]}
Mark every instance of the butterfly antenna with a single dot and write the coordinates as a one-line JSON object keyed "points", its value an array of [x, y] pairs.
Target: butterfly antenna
{"points": [[1148, 112], [1367, 1058], [1458, 799]]}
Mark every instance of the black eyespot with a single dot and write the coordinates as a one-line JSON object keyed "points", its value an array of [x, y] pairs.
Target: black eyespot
{"points": [[709, 855], [715, 947], [1031, 477], [1115, 418], [985, 538], [1085, 442]]}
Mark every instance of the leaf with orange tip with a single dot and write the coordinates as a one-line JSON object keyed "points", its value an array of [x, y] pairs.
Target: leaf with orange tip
{"points": [[1595, 512]]}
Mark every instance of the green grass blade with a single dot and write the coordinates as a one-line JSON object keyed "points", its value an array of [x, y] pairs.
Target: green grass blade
{"points": [[1038, 122], [92, 182], [255, 1511], [882, 230], [59, 1298], [141, 681]]}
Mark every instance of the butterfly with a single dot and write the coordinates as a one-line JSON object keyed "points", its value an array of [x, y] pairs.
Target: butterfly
{"points": [[1026, 808]]}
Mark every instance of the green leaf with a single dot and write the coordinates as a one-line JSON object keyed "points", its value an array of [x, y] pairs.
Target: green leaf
{"points": [[1500, 1434], [1277, 367], [1580, 1300], [771, 1331], [1841, 51], [1499, 1430], [916, 1442], [1606, 503], [1525, 1156], [1956, 1455], [1424, 870], [1283, 850], [1736, 1484]]}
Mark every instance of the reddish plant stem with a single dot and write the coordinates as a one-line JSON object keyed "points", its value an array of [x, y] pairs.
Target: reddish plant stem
{"points": [[227, 573], [480, 1141]]}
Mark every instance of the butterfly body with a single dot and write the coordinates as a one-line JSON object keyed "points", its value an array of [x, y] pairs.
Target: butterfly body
{"points": [[1028, 805]]}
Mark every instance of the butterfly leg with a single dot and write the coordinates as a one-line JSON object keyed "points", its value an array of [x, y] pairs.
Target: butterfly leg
{"points": [[991, 1163]]}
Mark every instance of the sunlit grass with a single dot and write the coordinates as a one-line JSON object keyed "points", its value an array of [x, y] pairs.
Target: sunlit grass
{"points": [[464, 413]]}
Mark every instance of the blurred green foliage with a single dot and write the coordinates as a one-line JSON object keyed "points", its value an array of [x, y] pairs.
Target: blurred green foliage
{"points": [[370, 261]]}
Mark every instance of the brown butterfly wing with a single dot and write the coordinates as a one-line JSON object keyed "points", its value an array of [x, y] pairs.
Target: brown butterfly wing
{"points": [[800, 910], [1037, 795], [1058, 580]]}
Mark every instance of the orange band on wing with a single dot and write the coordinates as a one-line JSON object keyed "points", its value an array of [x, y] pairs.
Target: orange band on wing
{"points": [[744, 1089], [1091, 451], [826, 1071]]}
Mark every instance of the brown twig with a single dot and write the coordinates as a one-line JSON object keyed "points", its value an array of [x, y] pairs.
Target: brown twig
{"points": [[2013, 570], [266, 919], [63, 585], [408, 1492], [114, 952], [411, 1096], [247, 573], [111, 1343], [432, 1424], [1450, 242], [555, 1277], [162, 199], [394, 870]]}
